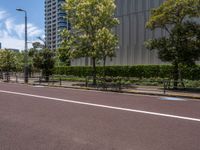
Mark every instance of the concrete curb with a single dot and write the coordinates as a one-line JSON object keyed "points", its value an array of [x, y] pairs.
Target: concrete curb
{"points": [[168, 94], [131, 92]]}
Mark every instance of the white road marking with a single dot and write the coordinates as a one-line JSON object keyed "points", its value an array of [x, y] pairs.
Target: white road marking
{"points": [[172, 99], [38, 86], [102, 106], [104, 92]]}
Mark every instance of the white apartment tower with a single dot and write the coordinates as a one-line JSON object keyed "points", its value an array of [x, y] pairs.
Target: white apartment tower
{"points": [[54, 22]]}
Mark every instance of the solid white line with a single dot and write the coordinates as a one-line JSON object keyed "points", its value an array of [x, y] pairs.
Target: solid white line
{"points": [[102, 106]]}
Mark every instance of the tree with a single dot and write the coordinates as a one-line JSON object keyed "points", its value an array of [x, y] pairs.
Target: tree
{"points": [[90, 20], [105, 45], [44, 60], [32, 53], [182, 44], [63, 52], [37, 45], [19, 61], [8, 61]]}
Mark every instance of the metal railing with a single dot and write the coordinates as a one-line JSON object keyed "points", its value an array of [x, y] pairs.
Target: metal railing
{"points": [[103, 83]]}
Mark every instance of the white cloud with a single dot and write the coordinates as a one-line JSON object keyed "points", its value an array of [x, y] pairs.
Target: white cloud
{"points": [[9, 23], [19, 30], [12, 34], [33, 30], [12, 42], [3, 14]]}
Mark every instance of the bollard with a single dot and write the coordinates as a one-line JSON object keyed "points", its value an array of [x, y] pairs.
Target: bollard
{"points": [[60, 82], [53, 80], [49, 80], [86, 81], [120, 84], [40, 80], [16, 79], [164, 82]]}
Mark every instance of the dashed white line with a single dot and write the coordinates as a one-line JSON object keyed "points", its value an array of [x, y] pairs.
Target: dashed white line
{"points": [[103, 106]]}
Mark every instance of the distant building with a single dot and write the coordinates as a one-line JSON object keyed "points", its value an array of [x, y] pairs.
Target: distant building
{"points": [[54, 22], [12, 49]]}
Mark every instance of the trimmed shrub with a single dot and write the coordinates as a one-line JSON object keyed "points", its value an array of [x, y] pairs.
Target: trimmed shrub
{"points": [[138, 71]]}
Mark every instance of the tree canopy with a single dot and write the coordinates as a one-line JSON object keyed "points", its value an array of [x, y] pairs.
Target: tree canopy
{"points": [[92, 24], [181, 46], [43, 60], [10, 60]]}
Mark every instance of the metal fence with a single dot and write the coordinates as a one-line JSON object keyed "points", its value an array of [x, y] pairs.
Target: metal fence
{"points": [[102, 83]]}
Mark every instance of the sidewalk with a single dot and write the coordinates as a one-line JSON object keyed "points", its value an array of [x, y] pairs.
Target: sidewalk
{"points": [[145, 90], [158, 91]]}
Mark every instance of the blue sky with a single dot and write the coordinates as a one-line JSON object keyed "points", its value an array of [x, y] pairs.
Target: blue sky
{"points": [[12, 22]]}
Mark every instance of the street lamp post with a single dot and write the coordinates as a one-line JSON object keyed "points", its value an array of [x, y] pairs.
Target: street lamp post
{"points": [[26, 48]]}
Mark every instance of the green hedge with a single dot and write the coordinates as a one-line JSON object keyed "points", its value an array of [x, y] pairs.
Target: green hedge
{"points": [[139, 71]]}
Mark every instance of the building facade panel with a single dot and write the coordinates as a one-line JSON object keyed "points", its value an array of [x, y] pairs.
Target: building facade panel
{"points": [[133, 15]]}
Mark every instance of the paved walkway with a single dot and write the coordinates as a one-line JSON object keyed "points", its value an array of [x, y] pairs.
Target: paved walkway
{"points": [[148, 90], [157, 91]]}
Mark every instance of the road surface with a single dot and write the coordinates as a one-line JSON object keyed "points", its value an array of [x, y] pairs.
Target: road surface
{"points": [[42, 118]]}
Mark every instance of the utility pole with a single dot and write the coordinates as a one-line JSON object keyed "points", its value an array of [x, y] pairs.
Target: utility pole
{"points": [[26, 48]]}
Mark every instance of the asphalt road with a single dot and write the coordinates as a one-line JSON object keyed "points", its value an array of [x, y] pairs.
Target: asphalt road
{"points": [[42, 118]]}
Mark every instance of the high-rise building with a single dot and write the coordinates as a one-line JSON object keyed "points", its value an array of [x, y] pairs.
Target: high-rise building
{"points": [[54, 22]]}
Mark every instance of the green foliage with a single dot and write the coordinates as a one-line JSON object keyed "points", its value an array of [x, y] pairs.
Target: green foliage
{"points": [[192, 84], [44, 60], [181, 46], [92, 33], [10, 61], [139, 71], [63, 53], [19, 61], [105, 44], [37, 45]]}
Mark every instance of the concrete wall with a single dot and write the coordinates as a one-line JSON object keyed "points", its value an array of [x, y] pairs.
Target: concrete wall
{"points": [[133, 15]]}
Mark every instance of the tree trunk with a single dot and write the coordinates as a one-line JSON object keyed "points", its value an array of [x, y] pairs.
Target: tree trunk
{"points": [[176, 75], [180, 77], [7, 76], [94, 70], [45, 75], [47, 78]]}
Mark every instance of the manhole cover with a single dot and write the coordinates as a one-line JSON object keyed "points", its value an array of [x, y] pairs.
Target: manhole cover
{"points": [[172, 99]]}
